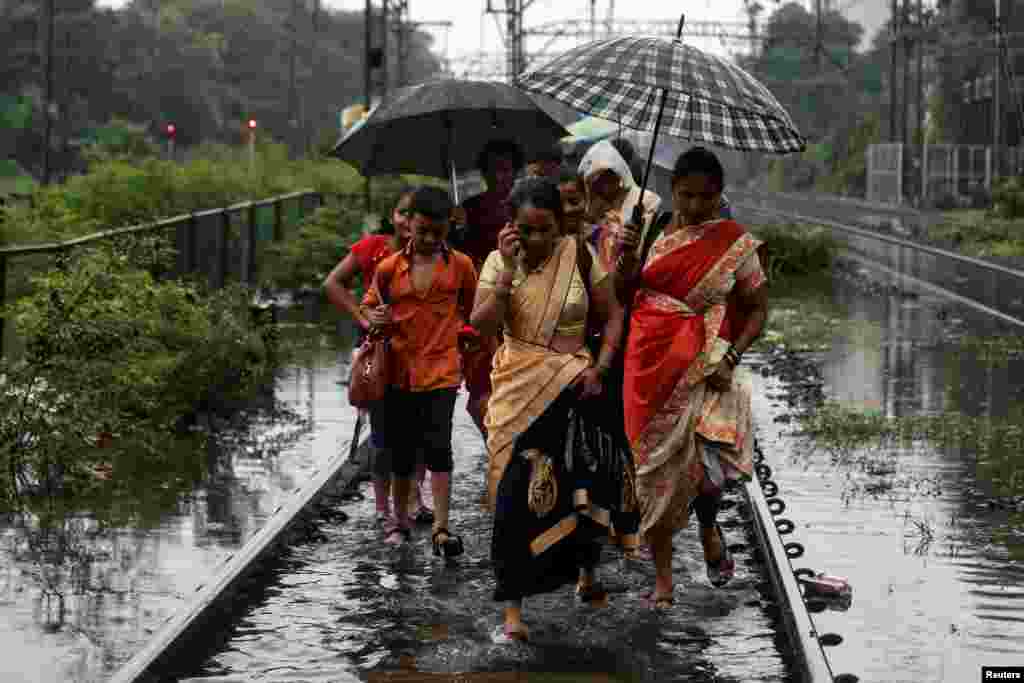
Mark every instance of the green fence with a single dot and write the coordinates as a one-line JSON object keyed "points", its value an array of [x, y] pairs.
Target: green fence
{"points": [[219, 245]]}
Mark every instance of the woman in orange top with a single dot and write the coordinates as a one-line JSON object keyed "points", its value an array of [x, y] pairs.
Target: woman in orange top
{"points": [[362, 259], [422, 296]]}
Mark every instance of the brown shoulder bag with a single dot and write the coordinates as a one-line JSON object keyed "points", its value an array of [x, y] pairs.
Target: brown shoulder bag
{"points": [[372, 367]]}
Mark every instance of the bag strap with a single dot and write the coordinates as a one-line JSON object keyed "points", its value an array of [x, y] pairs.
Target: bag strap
{"points": [[584, 262]]}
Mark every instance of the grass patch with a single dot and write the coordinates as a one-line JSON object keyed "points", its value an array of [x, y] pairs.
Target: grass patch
{"points": [[977, 232], [858, 435]]}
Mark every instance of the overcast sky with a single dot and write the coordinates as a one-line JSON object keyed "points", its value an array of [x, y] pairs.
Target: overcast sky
{"points": [[472, 30]]}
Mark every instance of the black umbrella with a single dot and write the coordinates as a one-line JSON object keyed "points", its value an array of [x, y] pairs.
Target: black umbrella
{"points": [[433, 128]]}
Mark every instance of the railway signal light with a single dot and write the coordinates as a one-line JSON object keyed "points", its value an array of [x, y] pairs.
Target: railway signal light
{"points": [[252, 124], [171, 130]]}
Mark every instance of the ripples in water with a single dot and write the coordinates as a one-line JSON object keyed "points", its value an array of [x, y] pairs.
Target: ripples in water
{"points": [[353, 608]]}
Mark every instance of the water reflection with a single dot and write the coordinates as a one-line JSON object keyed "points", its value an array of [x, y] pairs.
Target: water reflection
{"points": [[936, 563], [350, 607], [86, 582]]}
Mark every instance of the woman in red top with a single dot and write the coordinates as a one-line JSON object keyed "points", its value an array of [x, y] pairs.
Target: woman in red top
{"points": [[362, 259]]}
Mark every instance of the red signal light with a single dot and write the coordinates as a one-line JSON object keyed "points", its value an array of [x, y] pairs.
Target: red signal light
{"points": [[252, 124], [171, 130]]}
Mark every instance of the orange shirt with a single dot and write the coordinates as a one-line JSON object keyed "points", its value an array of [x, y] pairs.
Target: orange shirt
{"points": [[424, 336]]}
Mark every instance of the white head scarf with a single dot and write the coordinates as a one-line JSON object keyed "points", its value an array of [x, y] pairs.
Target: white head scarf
{"points": [[604, 157]]}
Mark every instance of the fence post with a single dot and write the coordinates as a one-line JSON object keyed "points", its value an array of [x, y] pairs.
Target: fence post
{"points": [[3, 298], [278, 218], [191, 237], [924, 173], [988, 168], [250, 261], [869, 153], [899, 173], [225, 237]]}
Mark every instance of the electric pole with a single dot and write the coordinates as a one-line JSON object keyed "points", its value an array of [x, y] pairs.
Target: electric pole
{"points": [[997, 99], [921, 101], [293, 123], [819, 44], [48, 94], [384, 19], [894, 29], [907, 54], [367, 77]]}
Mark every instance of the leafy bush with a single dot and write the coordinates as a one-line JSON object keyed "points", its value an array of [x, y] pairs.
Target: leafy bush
{"points": [[1008, 198], [795, 250], [109, 348]]}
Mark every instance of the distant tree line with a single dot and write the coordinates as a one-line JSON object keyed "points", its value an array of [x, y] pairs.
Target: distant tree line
{"points": [[206, 66]]}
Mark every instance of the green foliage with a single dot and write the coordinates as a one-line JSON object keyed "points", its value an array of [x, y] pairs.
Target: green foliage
{"points": [[1008, 198], [110, 348], [849, 174], [795, 250], [981, 233]]}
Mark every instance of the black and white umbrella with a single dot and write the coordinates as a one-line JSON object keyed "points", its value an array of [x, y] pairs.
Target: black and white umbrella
{"points": [[652, 84]]}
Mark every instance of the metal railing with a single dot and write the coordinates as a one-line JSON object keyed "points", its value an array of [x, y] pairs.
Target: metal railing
{"points": [[216, 244], [996, 290]]}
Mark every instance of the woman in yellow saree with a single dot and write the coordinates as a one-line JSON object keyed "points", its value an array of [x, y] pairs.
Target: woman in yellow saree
{"points": [[558, 479], [698, 304]]}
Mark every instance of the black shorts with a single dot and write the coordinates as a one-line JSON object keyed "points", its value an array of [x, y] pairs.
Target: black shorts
{"points": [[415, 426]]}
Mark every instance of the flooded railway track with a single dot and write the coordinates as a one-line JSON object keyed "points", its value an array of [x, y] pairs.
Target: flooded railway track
{"points": [[318, 596], [989, 288]]}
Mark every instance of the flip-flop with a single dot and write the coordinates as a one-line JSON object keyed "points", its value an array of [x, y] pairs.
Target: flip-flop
{"points": [[424, 515], [594, 592], [397, 535], [721, 572], [503, 634], [663, 602]]}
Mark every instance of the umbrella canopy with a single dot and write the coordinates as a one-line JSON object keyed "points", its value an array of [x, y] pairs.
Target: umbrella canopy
{"points": [[430, 128], [592, 129], [706, 98]]}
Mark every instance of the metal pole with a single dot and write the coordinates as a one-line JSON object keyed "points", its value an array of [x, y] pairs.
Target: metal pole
{"points": [[905, 115], [367, 76], [384, 21], [997, 99], [922, 114], [48, 94], [894, 33], [292, 95]]}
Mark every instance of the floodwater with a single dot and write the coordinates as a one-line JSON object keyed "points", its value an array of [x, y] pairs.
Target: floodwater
{"points": [[348, 607], [931, 538], [78, 599]]}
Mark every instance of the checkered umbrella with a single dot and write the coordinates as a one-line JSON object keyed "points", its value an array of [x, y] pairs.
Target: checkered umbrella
{"points": [[649, 83]]}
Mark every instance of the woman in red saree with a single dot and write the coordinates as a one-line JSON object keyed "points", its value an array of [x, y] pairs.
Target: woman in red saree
{"points": [[698, 303]]}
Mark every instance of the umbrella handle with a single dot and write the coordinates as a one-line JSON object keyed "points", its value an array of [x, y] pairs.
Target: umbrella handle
{"points": [[637, 210]]}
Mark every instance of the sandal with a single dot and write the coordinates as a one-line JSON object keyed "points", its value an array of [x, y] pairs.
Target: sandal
{"points": [[721, 572], [511, 634], [424, 515], [658, 602], [594, 592], [396, 535], [450, 547]]}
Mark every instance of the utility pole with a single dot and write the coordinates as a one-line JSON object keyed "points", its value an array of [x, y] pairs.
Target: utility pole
{"points": [[384, 20], [819, 45], [367, 77], [48, 94], [894, 29], [310, 122], [907, 55], [514, 26], [922, 101], [593, 19], [997, 99], [293, 123]]}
